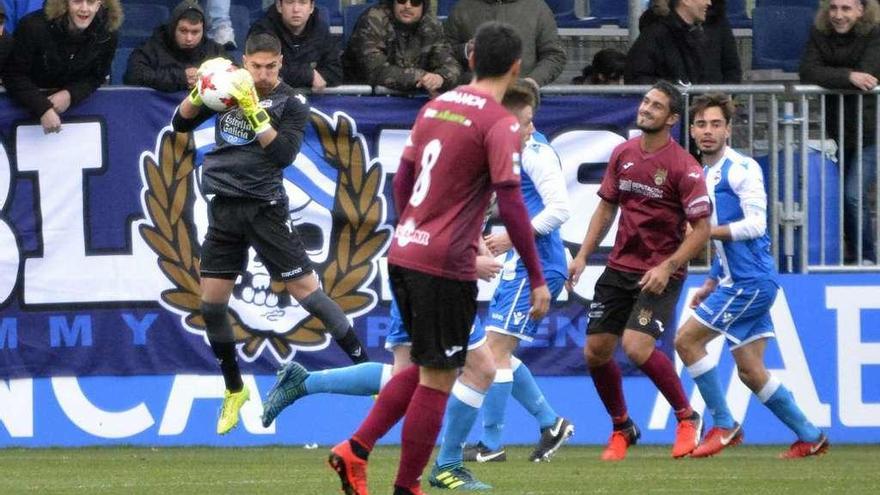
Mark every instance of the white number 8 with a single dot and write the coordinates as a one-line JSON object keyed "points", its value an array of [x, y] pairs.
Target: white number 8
{"points": [[430, 155]]}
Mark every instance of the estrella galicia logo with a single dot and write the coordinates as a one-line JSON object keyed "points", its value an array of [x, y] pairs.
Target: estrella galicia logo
{"points": [[336, 200], [233, 128]]}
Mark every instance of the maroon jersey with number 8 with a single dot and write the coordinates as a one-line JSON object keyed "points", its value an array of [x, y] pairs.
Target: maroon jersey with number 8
{"points": [[462, 143]]}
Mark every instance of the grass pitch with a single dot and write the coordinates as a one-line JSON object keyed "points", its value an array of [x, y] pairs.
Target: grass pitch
{"points": [[297, 471]]}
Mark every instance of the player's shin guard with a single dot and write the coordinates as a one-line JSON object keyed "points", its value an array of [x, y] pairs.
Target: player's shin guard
{"points": [[494, 408], [661, 371], [705, 375], [222, 342], [420, 428], [609, 385], [526, 391], [461, 415], [779, 400], [325, 309]]}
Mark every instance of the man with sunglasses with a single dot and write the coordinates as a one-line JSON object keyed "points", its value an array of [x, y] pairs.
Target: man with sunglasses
{"points": [[400, 45]]}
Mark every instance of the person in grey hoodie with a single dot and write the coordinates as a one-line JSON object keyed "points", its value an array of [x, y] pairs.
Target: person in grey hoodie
{"points": [[543, 57]]}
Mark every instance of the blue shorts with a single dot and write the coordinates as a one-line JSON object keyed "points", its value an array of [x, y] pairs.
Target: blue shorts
{"points": [[397, 335], [740, 312], [509, 309]]}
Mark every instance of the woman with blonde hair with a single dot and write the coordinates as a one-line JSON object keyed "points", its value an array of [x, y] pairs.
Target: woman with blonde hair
{"points": [[61, 54]]}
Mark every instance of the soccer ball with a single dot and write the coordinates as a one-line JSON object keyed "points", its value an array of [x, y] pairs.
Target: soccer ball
{"points": [[215, 86]]}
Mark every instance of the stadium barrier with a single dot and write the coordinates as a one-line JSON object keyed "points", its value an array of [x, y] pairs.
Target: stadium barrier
{"points": [[100, 341]]}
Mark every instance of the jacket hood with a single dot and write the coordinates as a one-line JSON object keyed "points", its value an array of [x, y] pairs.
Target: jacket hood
{"points": [[110, 13], [166, 31], [182, 8]]}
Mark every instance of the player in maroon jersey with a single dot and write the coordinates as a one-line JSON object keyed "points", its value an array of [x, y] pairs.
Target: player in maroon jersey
{"points": [[464, 145], [659, 188]]}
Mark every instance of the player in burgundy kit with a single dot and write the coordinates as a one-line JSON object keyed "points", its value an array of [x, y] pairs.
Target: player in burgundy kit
{"points": [[659, 188], [464, 145]]}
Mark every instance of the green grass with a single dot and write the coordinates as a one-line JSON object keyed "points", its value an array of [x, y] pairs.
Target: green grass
{"points": [[297, 471]]}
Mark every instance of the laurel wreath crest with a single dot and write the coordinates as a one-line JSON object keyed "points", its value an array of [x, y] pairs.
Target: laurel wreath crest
{"points": [[358, 238]]}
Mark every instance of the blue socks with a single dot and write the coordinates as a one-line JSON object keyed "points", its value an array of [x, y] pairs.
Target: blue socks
{"points": [[526, 392], [779, 400], [461, 413], [360, 379], [494, 408], [705, 375]]}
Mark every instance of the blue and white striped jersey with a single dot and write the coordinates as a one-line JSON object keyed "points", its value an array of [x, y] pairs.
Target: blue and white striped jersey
{"points": [[736, 186]]}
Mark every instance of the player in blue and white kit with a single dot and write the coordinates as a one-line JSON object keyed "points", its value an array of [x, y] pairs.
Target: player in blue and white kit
{"points": [[735, 299]]}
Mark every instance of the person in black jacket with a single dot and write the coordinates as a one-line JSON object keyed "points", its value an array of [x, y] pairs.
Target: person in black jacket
{"points": [[312, 58], [687, 41], [5, 38], [843, 53], [169, 59], [61, 54]]}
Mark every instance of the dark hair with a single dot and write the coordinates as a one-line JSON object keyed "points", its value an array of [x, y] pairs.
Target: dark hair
{"points": [[608, 63], [193, 16], [262, 42], [676, 100], [709, 100], [520, 95], [496, 47]]}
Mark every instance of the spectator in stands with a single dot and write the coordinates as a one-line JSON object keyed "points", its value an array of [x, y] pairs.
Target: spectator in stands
{"points": [[5, 39], [686, 41], [311, 56], [168, 61], [543, 57], [220, 23], [61, 54], [400, 45], [607, 68], [843, 52]]}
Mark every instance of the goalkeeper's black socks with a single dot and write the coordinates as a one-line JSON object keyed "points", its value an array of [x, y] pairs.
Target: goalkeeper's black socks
{"points": [[351, 344]]}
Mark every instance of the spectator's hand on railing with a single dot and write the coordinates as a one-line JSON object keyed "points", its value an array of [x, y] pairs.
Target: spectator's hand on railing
{"points": [[431, 83], [863, 80], [50, 121], [60, 101], [318, 82]]}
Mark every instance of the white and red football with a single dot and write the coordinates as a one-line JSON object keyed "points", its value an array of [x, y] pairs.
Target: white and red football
{"points": [[215, 86]]}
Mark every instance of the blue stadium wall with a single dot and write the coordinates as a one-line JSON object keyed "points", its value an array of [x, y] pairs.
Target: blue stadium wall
{"points": [[101, 341]]}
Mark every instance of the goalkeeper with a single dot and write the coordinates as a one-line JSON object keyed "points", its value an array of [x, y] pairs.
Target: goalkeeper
{"points": [[247, 205]]}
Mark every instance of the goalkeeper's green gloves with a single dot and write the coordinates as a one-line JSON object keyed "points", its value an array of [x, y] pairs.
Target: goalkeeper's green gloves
{"points": [[245, 94]]}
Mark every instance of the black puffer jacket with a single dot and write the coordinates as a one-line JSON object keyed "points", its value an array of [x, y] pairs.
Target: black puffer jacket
{"points": [[314, 50], [47, 55], [828, 61], [670, 49], [160, 64]]}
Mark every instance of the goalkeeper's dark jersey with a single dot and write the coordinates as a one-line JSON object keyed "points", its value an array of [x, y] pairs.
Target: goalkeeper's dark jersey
{"points": [[238, 166]]}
